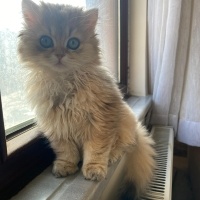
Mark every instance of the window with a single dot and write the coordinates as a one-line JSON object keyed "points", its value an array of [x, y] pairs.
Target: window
{"points": [[34, 154], [15, 109]]}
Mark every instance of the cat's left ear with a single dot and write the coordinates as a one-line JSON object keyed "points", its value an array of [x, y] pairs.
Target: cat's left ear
{"points": [[30, 12], [91, 17]]}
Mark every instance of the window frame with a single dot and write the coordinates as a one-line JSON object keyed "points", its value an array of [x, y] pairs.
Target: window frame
{"points": [[23, 164], [3, 148]]}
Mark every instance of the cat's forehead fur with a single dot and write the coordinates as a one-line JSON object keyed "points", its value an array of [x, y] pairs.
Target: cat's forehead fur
{"points": [[61, 19], [58, 19]]}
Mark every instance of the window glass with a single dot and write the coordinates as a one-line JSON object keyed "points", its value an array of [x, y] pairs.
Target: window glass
{"points": [[12, 76]]}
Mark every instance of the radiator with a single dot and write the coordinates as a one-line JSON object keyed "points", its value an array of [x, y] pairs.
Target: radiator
{"points": [[161, 186]]}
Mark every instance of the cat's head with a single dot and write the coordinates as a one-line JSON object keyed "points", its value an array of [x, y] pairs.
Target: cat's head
{"points": [[58, 37]]}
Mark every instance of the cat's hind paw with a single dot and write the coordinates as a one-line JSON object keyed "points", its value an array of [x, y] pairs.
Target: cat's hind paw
{"points": [[94, 172], [64, 168]]}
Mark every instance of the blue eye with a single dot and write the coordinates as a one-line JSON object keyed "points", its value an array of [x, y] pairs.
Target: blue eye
{"points": [[46, 41], [73, 43]]}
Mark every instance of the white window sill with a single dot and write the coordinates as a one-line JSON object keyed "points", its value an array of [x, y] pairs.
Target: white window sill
{"points": [[75, 187]]}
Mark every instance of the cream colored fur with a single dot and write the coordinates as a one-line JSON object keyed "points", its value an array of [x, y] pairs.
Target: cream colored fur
{"points": [[77, 103]]}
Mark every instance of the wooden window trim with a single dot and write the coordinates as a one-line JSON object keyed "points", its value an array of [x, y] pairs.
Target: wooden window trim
{"points": [[20, 166]]}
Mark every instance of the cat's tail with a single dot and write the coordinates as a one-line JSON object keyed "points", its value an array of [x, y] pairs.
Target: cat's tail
{"points": [[140, 165]]}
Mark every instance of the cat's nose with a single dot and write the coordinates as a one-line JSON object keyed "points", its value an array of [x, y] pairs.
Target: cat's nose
{"points": [[59, 56]]}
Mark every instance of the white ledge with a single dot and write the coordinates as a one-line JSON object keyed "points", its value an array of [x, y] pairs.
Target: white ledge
{"points": [[75, 187]]}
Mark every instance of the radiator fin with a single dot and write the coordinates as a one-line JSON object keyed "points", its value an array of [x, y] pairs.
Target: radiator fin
{"points": [[160, 187]]}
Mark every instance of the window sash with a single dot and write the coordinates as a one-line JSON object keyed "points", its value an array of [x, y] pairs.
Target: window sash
{"points": [[124, 44], [3, 148]]}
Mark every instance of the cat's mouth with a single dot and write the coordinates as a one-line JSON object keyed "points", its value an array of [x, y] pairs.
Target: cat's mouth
{"points": [[59, 64]]}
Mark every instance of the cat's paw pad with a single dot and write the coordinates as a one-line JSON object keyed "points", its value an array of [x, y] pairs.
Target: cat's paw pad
{"points": [[94, 172], [62, 169]]}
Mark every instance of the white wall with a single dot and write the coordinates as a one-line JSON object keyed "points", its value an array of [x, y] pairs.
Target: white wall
{"points": [[138, 47]]}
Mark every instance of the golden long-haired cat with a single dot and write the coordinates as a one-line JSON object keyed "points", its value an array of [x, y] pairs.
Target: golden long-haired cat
{"points": [[77, 102]]}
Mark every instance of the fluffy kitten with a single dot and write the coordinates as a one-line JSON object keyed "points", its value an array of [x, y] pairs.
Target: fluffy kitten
{"points": [[78, 105]]}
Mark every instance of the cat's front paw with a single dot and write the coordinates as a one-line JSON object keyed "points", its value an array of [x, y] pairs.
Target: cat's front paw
{"points": [[63, 168], [94, 172]]}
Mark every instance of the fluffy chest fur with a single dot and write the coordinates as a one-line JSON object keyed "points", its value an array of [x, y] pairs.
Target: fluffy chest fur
{"points": [[70, 105]]}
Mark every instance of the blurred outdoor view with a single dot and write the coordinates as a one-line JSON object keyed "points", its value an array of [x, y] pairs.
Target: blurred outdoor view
{"points": [[12, 76]]}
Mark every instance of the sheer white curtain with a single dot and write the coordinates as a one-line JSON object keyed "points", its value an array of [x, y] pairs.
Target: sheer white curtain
{"points": [[174, 66]]}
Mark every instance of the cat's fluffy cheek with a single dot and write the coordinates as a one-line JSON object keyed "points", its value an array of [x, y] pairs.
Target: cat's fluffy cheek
{"points": [[69, 63]]}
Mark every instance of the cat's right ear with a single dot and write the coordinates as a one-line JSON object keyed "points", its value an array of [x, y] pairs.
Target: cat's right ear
{"points": [[30, 11], [91, 17]]}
